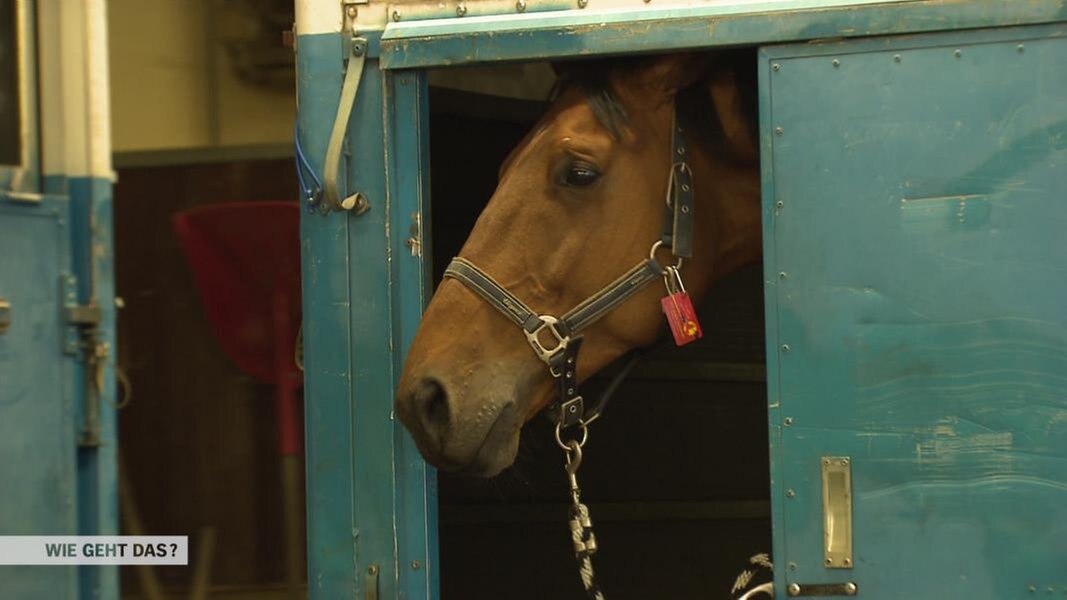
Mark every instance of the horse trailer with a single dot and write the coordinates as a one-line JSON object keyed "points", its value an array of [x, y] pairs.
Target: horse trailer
{"points": [[912, 175]]}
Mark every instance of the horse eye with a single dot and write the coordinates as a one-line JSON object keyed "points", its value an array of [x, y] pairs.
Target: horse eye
{"points": [[580, 176]]}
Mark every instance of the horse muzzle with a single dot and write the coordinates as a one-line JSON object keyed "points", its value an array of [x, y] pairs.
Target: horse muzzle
{"points": [[472, 435]]}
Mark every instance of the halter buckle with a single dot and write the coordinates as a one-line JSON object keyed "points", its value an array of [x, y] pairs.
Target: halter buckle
{"points": [[652, 254], [547, 354]]}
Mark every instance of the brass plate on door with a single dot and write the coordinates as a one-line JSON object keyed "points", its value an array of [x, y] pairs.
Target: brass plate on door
{"points": [[5, 315], [837, 512]]}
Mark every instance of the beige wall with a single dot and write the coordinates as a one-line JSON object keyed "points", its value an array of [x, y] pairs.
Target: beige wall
{"points": [[171, 87]]}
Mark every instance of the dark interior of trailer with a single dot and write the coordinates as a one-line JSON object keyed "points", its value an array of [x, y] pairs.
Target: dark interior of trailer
{"points": [[675, 474]]}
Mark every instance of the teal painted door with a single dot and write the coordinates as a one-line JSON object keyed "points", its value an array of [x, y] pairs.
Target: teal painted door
{"points": [[915, 194], [57, 434], [371, 500], [37, 433], [37, 429]]}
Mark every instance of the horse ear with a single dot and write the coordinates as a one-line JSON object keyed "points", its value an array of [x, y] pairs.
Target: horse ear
{"points": [[670, 73]]}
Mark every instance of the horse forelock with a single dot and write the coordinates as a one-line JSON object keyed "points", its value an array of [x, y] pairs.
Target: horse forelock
{"points": [[596, 80]]}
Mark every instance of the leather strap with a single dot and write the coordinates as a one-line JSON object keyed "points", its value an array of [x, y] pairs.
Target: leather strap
{"points": [[678, 213], [492, 292], [562, 359], [612, 295], [569, 407]]}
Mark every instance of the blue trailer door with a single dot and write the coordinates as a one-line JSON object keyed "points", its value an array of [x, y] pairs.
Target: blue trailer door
{"points": [[371, 500], [37, 429], [57, 436], [37, 443], [917, 333]]}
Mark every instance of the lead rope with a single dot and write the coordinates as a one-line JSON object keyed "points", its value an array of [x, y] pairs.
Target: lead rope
{"points": [[677, 235], [581, 524], [562, 334]]}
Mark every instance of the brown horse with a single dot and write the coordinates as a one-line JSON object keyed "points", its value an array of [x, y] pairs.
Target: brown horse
{"points": [[579, 201]]}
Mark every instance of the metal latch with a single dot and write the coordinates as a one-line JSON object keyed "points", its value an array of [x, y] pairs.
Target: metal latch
{"points": [[82, 339], [84, 315], [81, 320], [823, 589], [5, 314], [370, 587]]}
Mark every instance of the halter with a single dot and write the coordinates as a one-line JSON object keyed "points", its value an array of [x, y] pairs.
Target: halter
{"points": [[564, 341]]}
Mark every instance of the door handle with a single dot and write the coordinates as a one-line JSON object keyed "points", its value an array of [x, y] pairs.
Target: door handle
{"points": [[356, 202], [370, 587], [5, 314]]}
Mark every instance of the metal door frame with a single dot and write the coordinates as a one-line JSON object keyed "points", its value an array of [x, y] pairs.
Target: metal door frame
{"points": [[371, 500]]}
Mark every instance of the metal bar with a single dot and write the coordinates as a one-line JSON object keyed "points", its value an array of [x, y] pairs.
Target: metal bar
{"points": [[571, 34], [823, 589], [606, 512], [700, 371], [438, 9], [408, 205]]}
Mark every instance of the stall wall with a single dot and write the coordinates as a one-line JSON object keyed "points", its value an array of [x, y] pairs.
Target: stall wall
{"points": [[174, 84]]}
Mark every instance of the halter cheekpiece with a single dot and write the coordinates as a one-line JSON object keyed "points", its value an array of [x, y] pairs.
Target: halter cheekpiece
{"points": [[556, 340]]}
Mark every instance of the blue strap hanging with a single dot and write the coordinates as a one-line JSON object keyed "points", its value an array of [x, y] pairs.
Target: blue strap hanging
{"points": [[311, 194]]}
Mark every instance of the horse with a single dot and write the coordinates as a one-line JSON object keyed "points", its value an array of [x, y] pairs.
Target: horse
{"points": [[579, 201]]}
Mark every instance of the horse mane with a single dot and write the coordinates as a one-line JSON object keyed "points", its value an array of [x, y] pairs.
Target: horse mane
{"points": [[592, 78], [695, 114]]}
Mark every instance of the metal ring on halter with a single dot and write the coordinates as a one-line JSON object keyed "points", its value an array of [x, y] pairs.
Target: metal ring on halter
{"points": [[652, 255], [533, 337], [585, 435]]}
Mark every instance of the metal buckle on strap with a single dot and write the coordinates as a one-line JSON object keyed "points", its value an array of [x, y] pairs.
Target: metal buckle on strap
{"points": [[652, 254], [572, 412], [547, 354]]}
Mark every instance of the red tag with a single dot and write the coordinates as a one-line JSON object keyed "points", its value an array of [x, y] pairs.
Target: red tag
{"points": [[682, 318]]}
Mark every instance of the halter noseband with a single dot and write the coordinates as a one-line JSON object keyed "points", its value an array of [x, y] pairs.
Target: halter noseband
{"points": [[562, 356]]}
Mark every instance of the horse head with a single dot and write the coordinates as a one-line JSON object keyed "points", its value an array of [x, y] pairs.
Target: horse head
{"points": [[579, 201]]}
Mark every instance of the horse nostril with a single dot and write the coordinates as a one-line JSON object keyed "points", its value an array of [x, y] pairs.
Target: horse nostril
{"points": [[431, 405]]}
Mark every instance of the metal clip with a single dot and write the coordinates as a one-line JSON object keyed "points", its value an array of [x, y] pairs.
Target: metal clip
{"points": [[574, 456], [672, 279]]}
